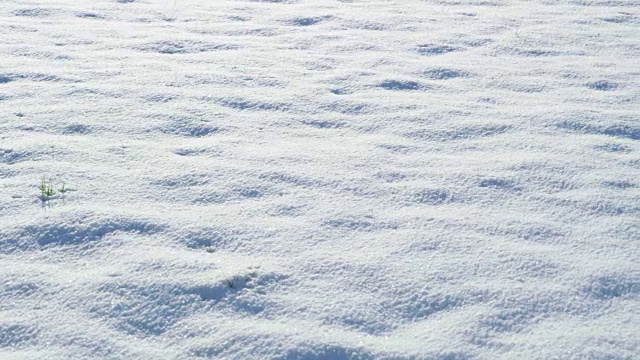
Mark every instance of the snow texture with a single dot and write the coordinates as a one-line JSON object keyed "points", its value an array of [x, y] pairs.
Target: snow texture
{"points": [[320, 179]]}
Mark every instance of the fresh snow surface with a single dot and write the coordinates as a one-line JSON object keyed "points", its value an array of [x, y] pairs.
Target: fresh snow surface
{"points": [[320, 179]]}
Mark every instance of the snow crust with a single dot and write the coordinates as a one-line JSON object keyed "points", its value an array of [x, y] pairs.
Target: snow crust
{"points": [[326, 179]]}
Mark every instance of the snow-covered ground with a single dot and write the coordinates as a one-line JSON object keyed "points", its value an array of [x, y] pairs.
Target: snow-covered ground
{"points": [[320, 179]]}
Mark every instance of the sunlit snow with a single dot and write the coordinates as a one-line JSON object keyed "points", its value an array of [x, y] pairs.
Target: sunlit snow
{"points": [[319, 179]]}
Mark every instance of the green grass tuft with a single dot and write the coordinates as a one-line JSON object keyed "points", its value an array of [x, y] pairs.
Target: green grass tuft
{"points": [[46, 189]]}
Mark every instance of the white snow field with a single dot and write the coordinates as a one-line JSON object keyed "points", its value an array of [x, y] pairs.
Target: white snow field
{"points": [[320, 179]]}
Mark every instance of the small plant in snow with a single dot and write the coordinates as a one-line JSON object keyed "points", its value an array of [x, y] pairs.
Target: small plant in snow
{"points": [[46, 190], [240, 281], [231, 283]]}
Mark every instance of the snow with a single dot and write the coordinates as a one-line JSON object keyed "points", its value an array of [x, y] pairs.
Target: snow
{"points": [[326, 179]]}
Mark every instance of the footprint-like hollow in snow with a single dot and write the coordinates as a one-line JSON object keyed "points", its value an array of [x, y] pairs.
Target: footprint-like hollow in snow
{"points": [[197, 151], [355, 223], [76, 129], [321, 350], [83, 229], [602, 85], [444, 74], [183, 180], [14, 335], [209, 240], [88, 15], [340, 91], [460, 133], [535, 52], [308, 21], [35, 12], [33, 77], [253, 105], [250, 192], [619, 184], [620, 131], [400, 85], [622, 18], [539, 233], [503, 184], [432, 197], [323, 124], [15, 156], [607, 286], [436, 49], [614, 148], [184, 46]]}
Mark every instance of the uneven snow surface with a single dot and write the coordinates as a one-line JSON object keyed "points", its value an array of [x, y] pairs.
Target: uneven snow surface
{"points": [[320, 179]]}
